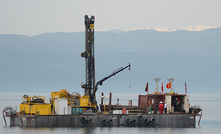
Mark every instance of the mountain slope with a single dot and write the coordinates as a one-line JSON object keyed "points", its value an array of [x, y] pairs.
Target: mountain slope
{"points": [[52, 61]]}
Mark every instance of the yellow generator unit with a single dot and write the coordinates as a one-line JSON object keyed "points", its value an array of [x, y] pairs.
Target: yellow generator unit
{"points": [[36, 105], [85, 101]]}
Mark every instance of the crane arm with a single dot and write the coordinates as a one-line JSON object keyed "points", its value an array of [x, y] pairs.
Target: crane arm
{"points": [[100, 82]]}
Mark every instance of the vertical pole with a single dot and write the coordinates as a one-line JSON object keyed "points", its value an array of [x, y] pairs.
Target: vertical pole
{"points": [[157, 86], [110, 98], [171, 87], [102, 98], [94, 81], [157, 80]]}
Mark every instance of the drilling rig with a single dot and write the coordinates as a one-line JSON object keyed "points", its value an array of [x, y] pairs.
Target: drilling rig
{"points": [[88, 54], [89, 86]]}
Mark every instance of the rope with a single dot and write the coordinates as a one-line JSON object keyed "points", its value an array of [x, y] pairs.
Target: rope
{"points": [[130, 81]]}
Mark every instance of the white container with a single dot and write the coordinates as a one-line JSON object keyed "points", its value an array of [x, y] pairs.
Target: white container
{"points": [[61, 106]]}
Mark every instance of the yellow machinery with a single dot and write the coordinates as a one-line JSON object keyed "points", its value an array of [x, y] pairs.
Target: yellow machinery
{"points": [[85, 103], [74, 100], [36, 105], [63, 93]]}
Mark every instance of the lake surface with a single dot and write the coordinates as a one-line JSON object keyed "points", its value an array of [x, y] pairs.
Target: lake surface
{"points": [[210, 122]]}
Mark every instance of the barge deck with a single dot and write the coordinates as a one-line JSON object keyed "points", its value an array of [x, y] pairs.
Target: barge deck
{"points": [[130, 120]]}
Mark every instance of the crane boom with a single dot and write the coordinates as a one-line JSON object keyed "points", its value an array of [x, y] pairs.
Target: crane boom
{"points": [[100, 82]]}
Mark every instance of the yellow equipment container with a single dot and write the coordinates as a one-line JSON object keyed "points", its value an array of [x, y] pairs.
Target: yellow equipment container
{"points": [[84, 101], [36, 105]]}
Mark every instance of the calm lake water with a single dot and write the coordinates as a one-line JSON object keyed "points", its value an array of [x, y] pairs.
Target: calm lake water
{"points": [[210, 123]]}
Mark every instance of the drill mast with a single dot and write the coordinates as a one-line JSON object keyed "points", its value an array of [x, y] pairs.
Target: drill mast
{"points": [[88, 54]]}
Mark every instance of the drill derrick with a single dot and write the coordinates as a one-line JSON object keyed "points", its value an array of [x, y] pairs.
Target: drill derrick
{"points": [[88, 54]]}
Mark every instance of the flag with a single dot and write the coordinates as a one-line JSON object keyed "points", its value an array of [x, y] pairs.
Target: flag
{"points": [[162, 87], [185, 88], [146, 88], [168, 85]]}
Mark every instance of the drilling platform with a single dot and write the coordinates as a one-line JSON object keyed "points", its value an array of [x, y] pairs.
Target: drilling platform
{"points": [[74, 109]]}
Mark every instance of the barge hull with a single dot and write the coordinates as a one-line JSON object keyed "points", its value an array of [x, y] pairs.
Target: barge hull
{"points": [[131, 120]]}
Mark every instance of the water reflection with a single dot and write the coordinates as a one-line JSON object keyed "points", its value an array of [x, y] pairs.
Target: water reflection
{"points": [[106, 130]]}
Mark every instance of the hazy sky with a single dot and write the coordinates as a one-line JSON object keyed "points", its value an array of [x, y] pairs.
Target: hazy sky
{"points": [[32, 17]]}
